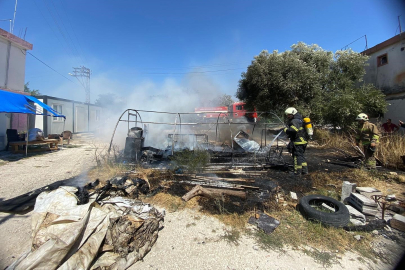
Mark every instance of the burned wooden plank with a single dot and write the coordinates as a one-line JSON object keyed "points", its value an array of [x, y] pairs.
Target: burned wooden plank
{"points": [[212, 193], [228, 179], [212, 184]]}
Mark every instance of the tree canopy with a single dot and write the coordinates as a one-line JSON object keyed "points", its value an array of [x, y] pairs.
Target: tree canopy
{"points": [[321, 84], [111, 102], [34, 92]]}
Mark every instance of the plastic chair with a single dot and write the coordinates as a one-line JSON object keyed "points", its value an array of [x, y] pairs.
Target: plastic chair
{"points": [[12, 136], [66, 135]]}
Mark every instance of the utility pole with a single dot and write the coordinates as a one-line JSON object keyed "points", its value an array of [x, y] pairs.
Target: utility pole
{"points": [[82, 74]]}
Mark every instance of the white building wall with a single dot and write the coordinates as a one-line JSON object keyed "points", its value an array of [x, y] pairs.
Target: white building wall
{"points": [[56, 125], [12, 58], [3, 62], [16, 75], [389, 77], [81, 118], [39, 119], [95, 118]]}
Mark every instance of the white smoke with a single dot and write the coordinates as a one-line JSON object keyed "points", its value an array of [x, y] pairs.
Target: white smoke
{"points": [[169, 96]]}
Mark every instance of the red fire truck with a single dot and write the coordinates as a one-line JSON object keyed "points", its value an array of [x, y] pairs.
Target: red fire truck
{"points": [[235, 112]]}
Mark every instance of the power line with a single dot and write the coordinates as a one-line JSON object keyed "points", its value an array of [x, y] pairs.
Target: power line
{"points": [[50, 67], [66, 30], [365, 37], [43, 16], [59, 28], [74, 32]]}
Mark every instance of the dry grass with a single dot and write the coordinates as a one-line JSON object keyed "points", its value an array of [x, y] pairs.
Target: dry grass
{"points": [[389, 150], [153, 177], [329, 139], [331, 182], [237, 221], [169, 202], [106, 172]]}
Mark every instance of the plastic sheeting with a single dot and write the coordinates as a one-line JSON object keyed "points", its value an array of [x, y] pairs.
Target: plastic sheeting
{"points": [[19, 103], [243, 140], [70, 236]]}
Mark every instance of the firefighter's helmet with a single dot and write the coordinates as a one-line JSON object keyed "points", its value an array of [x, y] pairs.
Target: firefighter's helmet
{"points": [[291, 110], [362, 116]]}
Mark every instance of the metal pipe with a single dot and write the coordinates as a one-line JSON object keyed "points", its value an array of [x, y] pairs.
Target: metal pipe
{"points": [[26, 136], [116, 125]]}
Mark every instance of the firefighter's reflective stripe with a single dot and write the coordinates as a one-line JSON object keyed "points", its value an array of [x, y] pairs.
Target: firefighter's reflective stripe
{"points": [[302, 140], [297, 168], [374, 139]]}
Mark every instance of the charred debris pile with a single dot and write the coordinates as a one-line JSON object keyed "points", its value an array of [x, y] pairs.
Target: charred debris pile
{"points": [[216, 156]]}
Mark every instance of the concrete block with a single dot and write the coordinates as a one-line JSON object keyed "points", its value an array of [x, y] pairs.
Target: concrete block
{"points": [[357, 222], [354, 214], [368, 191], [347, 189], [363, 203], [363, 200]]}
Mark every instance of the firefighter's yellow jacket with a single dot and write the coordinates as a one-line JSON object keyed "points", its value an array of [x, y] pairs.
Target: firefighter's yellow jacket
{"points": [[367, 133]]}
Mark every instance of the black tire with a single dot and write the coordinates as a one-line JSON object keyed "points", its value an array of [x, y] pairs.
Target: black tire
{"points": [[339, 218]]}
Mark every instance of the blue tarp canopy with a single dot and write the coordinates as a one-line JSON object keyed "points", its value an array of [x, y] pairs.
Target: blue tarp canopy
{"points": [[18, 103]]}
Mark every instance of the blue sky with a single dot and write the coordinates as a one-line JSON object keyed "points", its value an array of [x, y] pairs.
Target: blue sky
{"points": [[151, 46]]}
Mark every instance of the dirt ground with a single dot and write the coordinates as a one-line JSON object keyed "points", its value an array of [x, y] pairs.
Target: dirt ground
{"points": [[189, 240]]}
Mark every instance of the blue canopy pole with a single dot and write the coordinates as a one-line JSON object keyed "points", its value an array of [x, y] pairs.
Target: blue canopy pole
{"points": [[63, 130], [26, 135]]}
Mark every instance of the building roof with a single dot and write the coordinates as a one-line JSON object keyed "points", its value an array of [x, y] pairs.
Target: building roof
{"points": [[63, 99], [384, 44], [15, 40]]}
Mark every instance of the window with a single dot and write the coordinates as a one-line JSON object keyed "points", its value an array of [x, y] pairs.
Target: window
{"points": [[57, 108], [239, 107], [382, 60]]}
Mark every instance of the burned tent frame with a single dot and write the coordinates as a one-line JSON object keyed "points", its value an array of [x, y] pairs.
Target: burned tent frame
{"points": [[136, 114]]}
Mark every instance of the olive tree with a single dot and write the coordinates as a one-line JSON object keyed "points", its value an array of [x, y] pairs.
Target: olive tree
{"points": [[323, 85]]}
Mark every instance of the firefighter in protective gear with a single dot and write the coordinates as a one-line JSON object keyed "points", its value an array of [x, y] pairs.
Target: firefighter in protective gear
{"points": [[367, 135], [298, 140]]}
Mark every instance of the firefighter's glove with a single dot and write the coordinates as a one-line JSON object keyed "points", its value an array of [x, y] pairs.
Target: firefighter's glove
{"points": [[372, 146], [285, 129]]}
